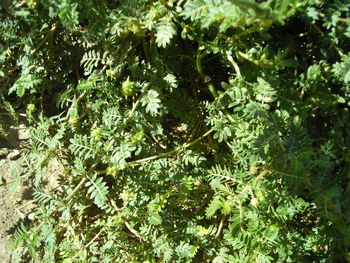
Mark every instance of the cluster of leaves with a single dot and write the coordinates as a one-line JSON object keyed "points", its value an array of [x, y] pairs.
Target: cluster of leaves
{"points": [[190, 130]]}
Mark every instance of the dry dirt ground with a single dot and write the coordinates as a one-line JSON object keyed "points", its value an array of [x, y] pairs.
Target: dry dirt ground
{"points": [[15, 203]]}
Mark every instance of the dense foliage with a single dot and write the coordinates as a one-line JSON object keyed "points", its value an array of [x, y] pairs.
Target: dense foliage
{"points": [[190, 130]]}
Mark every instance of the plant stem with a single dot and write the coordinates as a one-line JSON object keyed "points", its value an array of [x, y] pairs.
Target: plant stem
{"points": [[48, 34], [199, 63], [83, 180], [76, 189], [36, 49], [133, 110], [219, 228], [180, 149], [235, 65], [133, 231], [209, 83]]}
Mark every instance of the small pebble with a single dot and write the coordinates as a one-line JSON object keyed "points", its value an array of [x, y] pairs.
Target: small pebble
{"points": [[23, 132], [3, 152], [31, 216], [15, 154]]}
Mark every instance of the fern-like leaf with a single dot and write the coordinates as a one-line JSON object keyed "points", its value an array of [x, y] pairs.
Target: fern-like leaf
{"points": [[41, 197], [92, 59], [151, 102], [166, 30], [82, 147], [97, 190], [20, 235], [214, 206], [163, 249], [342, 69], [195, 10]]}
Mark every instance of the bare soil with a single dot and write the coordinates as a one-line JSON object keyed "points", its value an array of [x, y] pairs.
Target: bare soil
{"points": [[15, 203]]}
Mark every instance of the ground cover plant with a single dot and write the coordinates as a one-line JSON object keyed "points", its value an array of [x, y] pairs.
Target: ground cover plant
{"points": [[189, 131]]}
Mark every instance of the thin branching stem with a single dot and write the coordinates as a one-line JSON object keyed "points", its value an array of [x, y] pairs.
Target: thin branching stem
{"points": [[166, 154]]}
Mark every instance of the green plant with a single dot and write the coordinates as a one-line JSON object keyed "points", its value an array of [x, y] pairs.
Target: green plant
{"points": [[190, 131]]}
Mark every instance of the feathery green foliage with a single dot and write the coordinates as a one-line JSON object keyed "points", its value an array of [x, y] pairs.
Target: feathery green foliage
{"points": [[190, 130]]}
